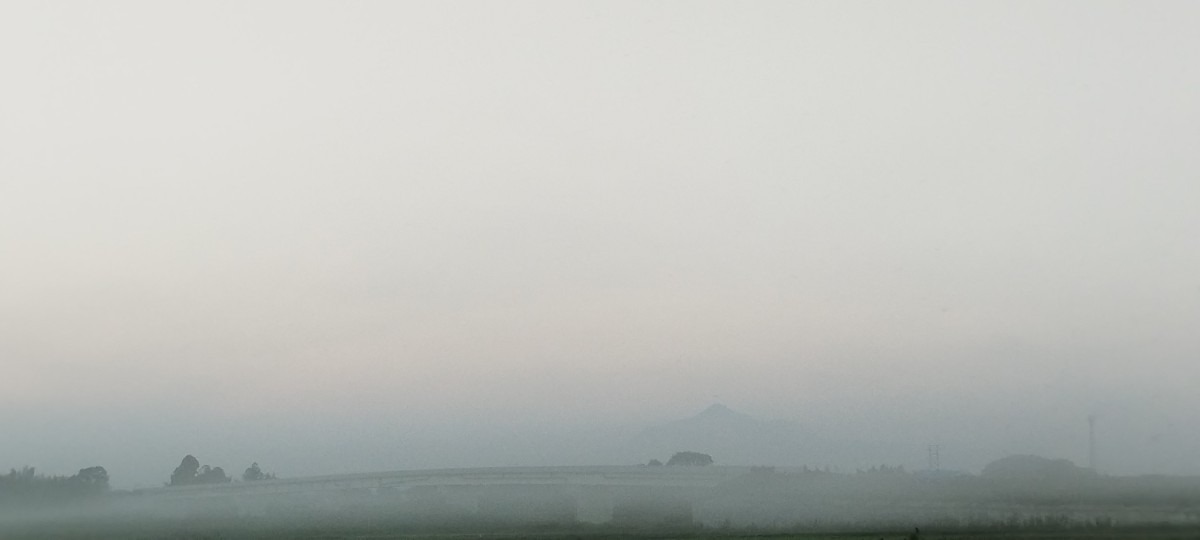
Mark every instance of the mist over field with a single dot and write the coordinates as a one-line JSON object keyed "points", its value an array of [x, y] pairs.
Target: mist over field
{"points": [[339, 238]]}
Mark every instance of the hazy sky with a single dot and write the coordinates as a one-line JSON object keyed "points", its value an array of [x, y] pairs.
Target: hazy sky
{"points": [[234, 228]]}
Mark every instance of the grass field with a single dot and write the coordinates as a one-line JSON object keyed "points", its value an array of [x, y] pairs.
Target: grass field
{"points": [[148, 531]]}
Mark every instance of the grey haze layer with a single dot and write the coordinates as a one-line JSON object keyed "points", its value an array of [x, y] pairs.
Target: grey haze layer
{"points": [[331, 237]]}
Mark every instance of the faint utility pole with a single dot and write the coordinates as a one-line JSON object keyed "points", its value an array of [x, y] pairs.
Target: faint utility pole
{"points": [[1092, 442], [935, 463]]}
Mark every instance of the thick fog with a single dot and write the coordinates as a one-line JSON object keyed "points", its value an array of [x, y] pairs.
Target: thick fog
{"points": [[338, 237]]}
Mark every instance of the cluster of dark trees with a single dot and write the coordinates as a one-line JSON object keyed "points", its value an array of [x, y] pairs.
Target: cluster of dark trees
{"points": [[190, 472], [690, 459], [254, 473], [25, 486]]}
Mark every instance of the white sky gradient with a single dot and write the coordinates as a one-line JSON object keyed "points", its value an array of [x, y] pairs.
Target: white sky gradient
{"points": [[306, 231]]}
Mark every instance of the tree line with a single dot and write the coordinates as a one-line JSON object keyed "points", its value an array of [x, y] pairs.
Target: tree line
{"points": [[26, 486], [191, 472]]}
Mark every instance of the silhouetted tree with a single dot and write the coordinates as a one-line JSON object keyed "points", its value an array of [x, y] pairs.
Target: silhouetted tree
{"points": [[185, 473], [211, 475], [190, 472], [654, 463], [693, 459], [254, 473], [92, 479]]}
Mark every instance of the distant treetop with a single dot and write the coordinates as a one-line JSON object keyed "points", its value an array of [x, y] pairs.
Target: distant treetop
{"points": [[254, 473], [189, 471], [1031, 467], [692, 459]]}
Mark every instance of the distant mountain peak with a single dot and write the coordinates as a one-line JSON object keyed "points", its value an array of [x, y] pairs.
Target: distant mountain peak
{"points": [[730, 436], [717, 409], [721, 413]]}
